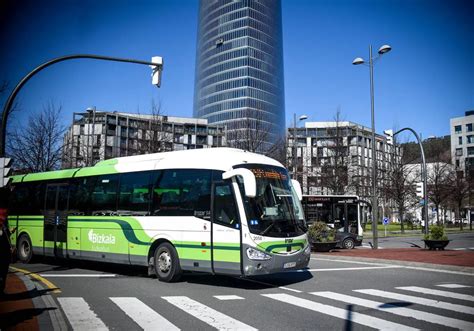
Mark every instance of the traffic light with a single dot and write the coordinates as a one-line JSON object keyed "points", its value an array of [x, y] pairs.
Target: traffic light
{"points": [[389, 136], [419, 190], [5, 171], [156, 70]]}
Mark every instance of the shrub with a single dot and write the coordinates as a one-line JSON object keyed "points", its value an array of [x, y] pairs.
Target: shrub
{"points": [[320, 232], [436, 233]]}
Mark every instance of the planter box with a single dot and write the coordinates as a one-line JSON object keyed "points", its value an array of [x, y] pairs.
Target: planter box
{"points": [[436, 244], [323, 246]]}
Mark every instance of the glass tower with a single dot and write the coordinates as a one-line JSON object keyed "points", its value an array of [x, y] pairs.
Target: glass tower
{"points": [[239, 71]]}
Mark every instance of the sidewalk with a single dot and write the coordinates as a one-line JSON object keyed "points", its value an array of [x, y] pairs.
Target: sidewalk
{"points": [[17, 311], [447, 257]]}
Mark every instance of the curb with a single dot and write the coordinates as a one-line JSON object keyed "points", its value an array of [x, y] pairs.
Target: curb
{"points": [[434, 267], [47, 315]]}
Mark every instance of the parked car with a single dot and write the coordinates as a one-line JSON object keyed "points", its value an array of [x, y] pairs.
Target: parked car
{"points": [[347, 239]]}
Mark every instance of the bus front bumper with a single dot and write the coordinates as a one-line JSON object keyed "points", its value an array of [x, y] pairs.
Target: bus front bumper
{"points": [[277, 262]]}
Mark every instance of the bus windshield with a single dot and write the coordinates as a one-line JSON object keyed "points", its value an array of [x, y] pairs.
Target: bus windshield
{"points": [[276, 210]]}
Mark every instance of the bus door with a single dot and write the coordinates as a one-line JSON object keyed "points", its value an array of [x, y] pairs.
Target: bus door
{"points": [[225, 230], [55, 220]]}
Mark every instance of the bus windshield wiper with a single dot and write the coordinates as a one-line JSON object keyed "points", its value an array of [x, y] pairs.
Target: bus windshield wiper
{"points": [[267, 229]]}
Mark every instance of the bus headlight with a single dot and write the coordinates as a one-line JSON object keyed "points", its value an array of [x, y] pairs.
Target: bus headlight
{"points": [[307, 250], [255, 254]]}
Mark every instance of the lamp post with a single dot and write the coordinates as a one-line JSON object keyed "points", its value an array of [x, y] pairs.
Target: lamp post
{"points": [[424, 173], [295, 150], [382, 50]]}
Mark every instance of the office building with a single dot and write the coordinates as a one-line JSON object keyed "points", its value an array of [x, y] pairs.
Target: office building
{"points": [[462, 141], [336, 158], [239, 71]]}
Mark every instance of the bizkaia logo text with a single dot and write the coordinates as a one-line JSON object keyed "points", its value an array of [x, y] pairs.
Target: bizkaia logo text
{"points": [[101, 238]]}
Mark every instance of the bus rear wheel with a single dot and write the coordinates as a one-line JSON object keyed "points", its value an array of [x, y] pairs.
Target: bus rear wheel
{"points": [[24, 249], [166, 262]]}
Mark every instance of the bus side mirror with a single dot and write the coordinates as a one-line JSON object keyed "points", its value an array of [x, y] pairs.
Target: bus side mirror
{"points": [[297, 188], [250, 184]]}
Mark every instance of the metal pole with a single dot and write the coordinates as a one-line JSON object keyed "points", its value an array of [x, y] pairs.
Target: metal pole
{"points": [[11, 98], [295, 170], [374, 155], [424, 174]]}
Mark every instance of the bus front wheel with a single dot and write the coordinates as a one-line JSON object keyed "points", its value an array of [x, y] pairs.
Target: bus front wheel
{"points": [[24, 249], [167, 266]]}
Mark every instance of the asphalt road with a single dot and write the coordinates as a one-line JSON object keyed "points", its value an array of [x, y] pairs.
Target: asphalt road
{"points": [[332, 294], [458, 241]]}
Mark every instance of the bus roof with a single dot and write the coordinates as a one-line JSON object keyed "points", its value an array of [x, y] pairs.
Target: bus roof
{"points": [[221, 158]]}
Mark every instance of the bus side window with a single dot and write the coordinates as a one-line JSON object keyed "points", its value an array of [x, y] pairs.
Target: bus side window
{"points": [[79, 196], [104, 195], [182, 192], [135, 194]]}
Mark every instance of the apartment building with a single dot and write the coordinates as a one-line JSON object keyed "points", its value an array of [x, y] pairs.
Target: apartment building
{"points": [[98, 135]]}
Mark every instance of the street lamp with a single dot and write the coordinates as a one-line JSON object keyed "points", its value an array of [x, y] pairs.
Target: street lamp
{"points": [[295, 168], [382, 50]]}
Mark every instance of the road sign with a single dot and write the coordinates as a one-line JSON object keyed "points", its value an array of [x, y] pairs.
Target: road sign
{"points": [[385, 221]]}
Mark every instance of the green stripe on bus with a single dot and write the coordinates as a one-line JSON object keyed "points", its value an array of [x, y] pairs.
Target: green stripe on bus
{"points": [[127, 229], [59, 174], [94, 171]]}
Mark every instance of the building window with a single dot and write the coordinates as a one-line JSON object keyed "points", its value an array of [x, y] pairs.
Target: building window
{"points": [[470, 151], [459, 151], [469, 127], [457, 163], [470, 139], [457, 129], [459, 140]]}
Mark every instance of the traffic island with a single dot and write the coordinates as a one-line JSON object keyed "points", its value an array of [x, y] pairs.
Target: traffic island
{"points": [[445, 257]]}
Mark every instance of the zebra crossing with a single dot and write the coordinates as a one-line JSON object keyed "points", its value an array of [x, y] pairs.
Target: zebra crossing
{"points": [[452, 308]]}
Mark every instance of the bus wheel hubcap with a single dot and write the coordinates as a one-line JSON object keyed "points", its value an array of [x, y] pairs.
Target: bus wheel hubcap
{"points": [[26, 249], [164, 262]]}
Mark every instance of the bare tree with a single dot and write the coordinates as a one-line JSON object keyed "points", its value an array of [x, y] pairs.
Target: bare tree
{"points": [[251, 133], [459, 188], [156, 135], [438, 181], [36, 147], [334, 168], [399, 187]]}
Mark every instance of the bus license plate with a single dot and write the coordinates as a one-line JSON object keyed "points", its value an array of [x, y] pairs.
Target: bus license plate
{"points": [[289, 265]]}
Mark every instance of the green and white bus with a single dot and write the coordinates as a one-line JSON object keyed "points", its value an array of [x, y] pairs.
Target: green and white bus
{"points": [[219, 210]]}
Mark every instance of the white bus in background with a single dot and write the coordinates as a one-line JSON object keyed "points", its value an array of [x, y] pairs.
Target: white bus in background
{"points": [[219, 210], [338, 211]]}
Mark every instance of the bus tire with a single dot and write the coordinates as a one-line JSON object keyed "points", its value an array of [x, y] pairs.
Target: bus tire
{"points": [[348, 243], [24, 249], [166, 263]]}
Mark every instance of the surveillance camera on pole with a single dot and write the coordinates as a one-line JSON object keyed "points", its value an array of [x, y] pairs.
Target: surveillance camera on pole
{"points": [[389, 136], [156, 70], [5, 171], [419, 190]]}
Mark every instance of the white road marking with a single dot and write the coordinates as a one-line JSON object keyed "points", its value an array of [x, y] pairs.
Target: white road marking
{"points": [[290, 289], [206, 314], [78, 275], [144, 316], [354, 268], [440, 270], [355, 317], [420, 301], [453, 286], [80, 315], [350, 261], [228, 297], [397, 310], [438, 292], [459, 249]]}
